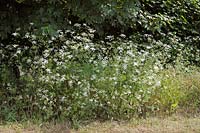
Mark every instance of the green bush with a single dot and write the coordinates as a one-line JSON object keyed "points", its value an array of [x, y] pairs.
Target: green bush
{"points": [[170, 93], [89, 69], [155, 17], [71, 76]]}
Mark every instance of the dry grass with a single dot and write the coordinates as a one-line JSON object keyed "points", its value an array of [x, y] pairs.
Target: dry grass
{"points": [[173, 124], [33, 128]]}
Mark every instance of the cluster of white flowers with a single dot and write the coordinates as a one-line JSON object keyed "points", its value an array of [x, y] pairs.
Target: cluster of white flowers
{"points": [[100, 73], [89, 66]]}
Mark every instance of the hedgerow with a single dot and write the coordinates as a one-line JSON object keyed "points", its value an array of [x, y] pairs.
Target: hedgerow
{"points": [[95, 59], [71, 76]]}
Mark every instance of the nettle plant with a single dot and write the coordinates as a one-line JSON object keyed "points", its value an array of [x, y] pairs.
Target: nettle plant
{"points": [[72, 76]]}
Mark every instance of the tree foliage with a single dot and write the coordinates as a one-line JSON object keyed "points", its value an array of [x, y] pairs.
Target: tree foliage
{"points": [[108, 17]]}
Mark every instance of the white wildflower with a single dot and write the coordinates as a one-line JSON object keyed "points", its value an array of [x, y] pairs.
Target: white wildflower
{"points": [[158, 83], [123, 36], [15, 34], [48, 70]]}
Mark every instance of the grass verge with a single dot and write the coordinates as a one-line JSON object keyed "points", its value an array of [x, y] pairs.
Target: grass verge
{"points": [[173, 124]]}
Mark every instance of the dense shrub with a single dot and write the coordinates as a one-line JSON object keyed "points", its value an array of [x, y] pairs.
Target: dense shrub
{"points": [[72, 76], [153, 17]]}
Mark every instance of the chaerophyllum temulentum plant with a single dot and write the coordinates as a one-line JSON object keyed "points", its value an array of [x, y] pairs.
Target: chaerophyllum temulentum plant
{"points": [[73, 76]]}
